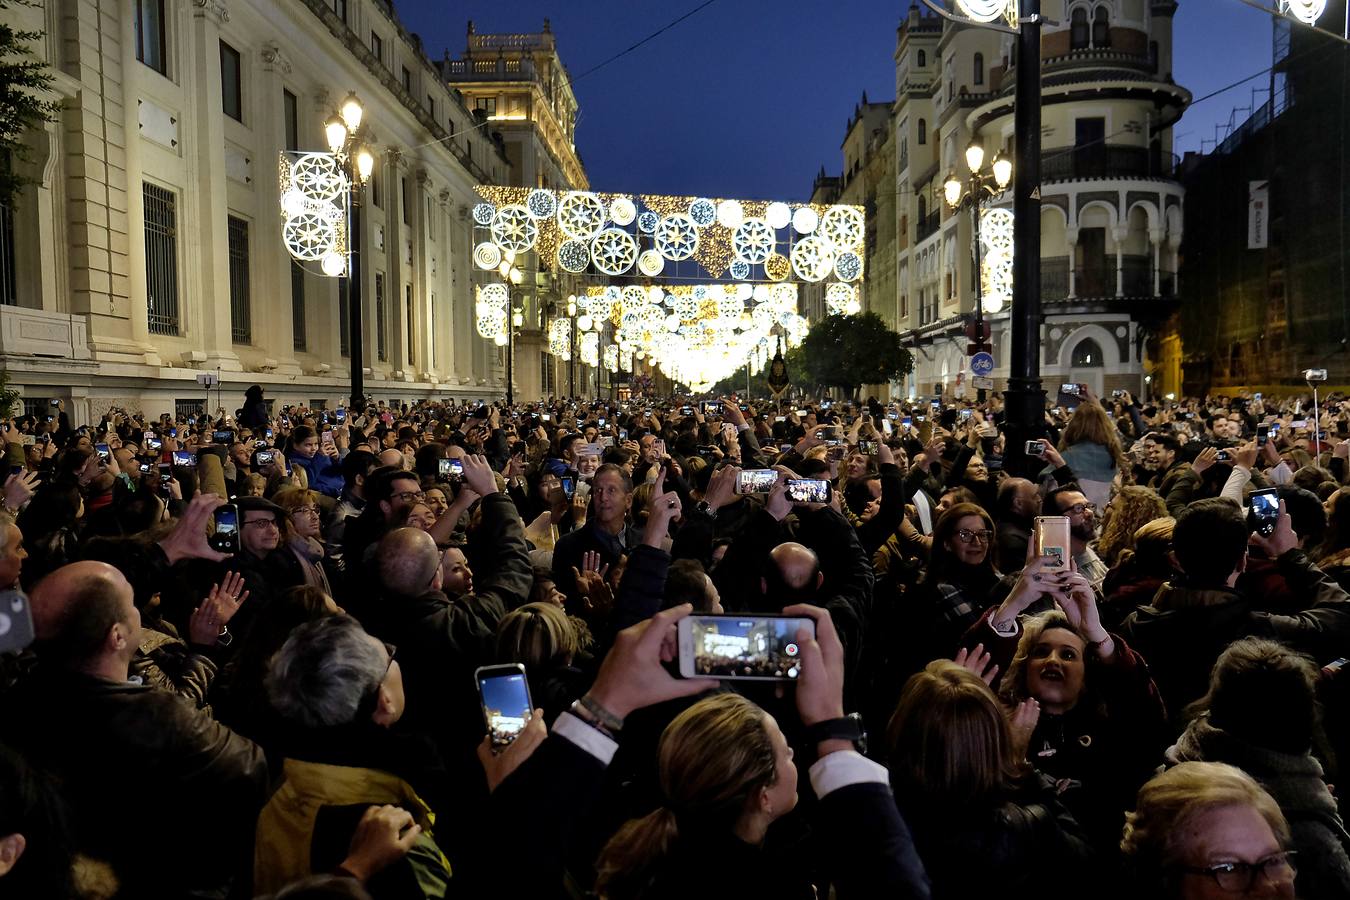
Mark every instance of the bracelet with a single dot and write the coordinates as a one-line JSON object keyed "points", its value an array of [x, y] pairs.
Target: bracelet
{"points": [[585, 715], [606, 718]]}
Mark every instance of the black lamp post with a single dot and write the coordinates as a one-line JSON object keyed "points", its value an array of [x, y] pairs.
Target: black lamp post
{"points": [[343, 132]]}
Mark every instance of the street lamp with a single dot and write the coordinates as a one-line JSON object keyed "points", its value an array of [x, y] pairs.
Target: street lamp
{"points": [[517, 318], [971, 193], [572, 345]]}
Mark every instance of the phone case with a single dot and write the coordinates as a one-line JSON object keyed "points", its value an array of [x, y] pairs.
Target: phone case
{"points": [[1052, 539]]}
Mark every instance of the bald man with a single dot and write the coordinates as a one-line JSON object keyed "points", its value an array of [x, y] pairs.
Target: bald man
{"points": [[1019, 502], [125, 750]]}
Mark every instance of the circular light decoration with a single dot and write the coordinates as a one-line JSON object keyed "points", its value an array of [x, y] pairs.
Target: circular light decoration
{"points": [[494, 293], [686, 307], [622, 211], [843, 226], [730, 214], [760, 293], [740, 269], [483, 213], [784, 295], [703, 212], [647, 222], [614, 251], [487, 255], [650, 263], [996, 229], [634, 298], [677, 237], [1306, 11], [753, 241], [541, 203], [837, 298], [581, 215], [805, 220], [574, 256], [812, 259], [848, 266], [310, 236], [293, 203], [983, 10], [334, 264], [318, 176], [777, 267], [741, 292], [778, 215], [490, 321], [514, 229]]}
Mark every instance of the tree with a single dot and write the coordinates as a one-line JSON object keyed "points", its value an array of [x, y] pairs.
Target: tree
{"points": [[23, 81], [849, 351]]}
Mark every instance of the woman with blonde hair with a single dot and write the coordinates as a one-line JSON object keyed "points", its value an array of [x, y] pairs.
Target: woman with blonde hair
{"points": [[1139, 571], [302, 535], [1207, 830], [541, 637], [1132, 507], [1090, 446], [983, 822]]}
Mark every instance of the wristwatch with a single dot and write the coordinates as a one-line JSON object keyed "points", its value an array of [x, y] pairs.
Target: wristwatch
{"points": [[707, 510], [849, 728]]}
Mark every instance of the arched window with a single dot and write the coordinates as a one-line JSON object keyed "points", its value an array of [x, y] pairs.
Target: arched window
{"points": [[923, 59], [1087, 355], [1078, 29], [923, 131], [979, 68], [1101, 28], [923, 210]]}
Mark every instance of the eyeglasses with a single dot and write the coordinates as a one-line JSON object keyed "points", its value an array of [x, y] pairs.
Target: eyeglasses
{"points": [[263, 523], [406, 496], [1240, 877], [391, 650], [305, 510], [1079, 508], [966, 536]]}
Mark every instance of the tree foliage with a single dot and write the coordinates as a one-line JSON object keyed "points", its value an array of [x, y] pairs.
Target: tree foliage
{"points": [[848, 351], [23, 81]]}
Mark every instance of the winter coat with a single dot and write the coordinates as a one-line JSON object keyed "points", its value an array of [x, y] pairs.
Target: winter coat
{"points": [[324, 472]]}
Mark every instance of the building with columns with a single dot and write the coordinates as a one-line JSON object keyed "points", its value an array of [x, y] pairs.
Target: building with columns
{"points": [[149, 249], [517, 84], [1111, 218]]}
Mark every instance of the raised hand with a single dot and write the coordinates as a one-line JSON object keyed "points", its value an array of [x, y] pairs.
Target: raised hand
{"points": [[632, 675], [1022, 724], [498, 765], [188, 540], [977, 661], [19, 489], [478, 475]]}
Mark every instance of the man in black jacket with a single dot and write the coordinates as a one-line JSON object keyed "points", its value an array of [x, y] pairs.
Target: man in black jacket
{"points": [[606, 531], [135, 761]]}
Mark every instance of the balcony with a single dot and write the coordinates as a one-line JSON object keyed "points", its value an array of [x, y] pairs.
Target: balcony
{"points": [[497, 69], [1106, 161], [927, 227], [1098, 281]]}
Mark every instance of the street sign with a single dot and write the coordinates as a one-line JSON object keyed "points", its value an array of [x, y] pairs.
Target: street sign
{"points": [[983, 384], [982, 364]]}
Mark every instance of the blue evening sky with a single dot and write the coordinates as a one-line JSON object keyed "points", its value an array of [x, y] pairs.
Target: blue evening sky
{"points": [[749, 98]]}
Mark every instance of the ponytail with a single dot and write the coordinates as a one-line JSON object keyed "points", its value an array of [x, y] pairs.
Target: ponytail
{"points": [[630, 860]]}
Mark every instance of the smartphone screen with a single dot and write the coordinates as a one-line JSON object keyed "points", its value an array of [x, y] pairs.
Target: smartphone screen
{"points": [[756, 481], [868, 448], [16, 621], [225, 539], [104, 454], [451, 469], [1262, 434], [185, 458], [1051, 534], [1265, 511], [505, 695], [569, 486], [756, 648], [808, 490]]}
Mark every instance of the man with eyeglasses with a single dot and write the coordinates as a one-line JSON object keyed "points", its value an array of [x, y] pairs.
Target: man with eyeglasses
{"points": [[390, 493], [269, 570], [1082, 513]]}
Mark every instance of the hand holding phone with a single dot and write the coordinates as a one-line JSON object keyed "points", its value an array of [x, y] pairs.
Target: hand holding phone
{"points": [[1051, 537], [505, 696], [225, 538], [756, 481], [741, 647]]}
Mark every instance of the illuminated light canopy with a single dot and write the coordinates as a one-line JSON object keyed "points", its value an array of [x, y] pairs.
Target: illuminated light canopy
{"points": [[703, 212], [996, 234], [650, 263], [676, 237], [483, 213], [515, 229], [487, 255], [574, 256], [1306, 11], [805, 220], [622, 211], [541, 204]]}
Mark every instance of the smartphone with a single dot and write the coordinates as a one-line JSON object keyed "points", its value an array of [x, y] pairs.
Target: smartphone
{"points": [[741, 647], [1262, 434], [1223, 456], [965, 414], [623, 434], [686, 410], [600, 422], [104, 454], [756, 481], [569, 486], [1051, 534], [340, 415], [867, 448], [808, 490], [546, 417], [935, 403], [1264, 512], [607, 441], [592, 450], [225, 538], [450, 469], [1119, 394], [886, 428], [268, 433], [803, 413], [1069, 395], [222, 437], [780, 418], [16, 621], [1035, 448], [185, 458], [1256, 396], [711, 407], [53, 403], [165, 475], [327, 437], [264, 458], [505, 695], [146, 468]]}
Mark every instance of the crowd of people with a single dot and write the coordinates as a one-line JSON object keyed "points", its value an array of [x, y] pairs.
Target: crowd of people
{"points": [[250, 670]]}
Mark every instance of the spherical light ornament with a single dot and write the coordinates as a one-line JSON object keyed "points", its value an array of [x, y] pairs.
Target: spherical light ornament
{"points": [[753, 241], [622, 211], [494, 293], [843, 226], [676, 237], [584, 322], [740, 269], [672, 322], [742, 292], [805, 220], [655, 295], [574, 256], [581, 215], [730, 214], [703, 212], [812, 259], [614, 251], [483, 213], [777, 267], [686, 307], [487, 255], [293, 202], [761, 293], [837, 297], [778, 215], [650, 263], [514, 229], [334, 264], [982, 10], [311, 236], [1306, 11], [848, 266], [541, 203], [647, 222]]}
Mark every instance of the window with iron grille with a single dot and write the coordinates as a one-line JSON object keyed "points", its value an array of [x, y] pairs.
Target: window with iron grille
{"points": [[382, 352], [161, 258], [344, 336], [241, 313], [38, 409], [298, 339], [189, 409], [150, 34], [231, 82], [407, 304]]}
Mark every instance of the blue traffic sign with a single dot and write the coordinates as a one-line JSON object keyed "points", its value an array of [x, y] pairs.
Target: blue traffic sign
{"points": [[982, 364]]}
